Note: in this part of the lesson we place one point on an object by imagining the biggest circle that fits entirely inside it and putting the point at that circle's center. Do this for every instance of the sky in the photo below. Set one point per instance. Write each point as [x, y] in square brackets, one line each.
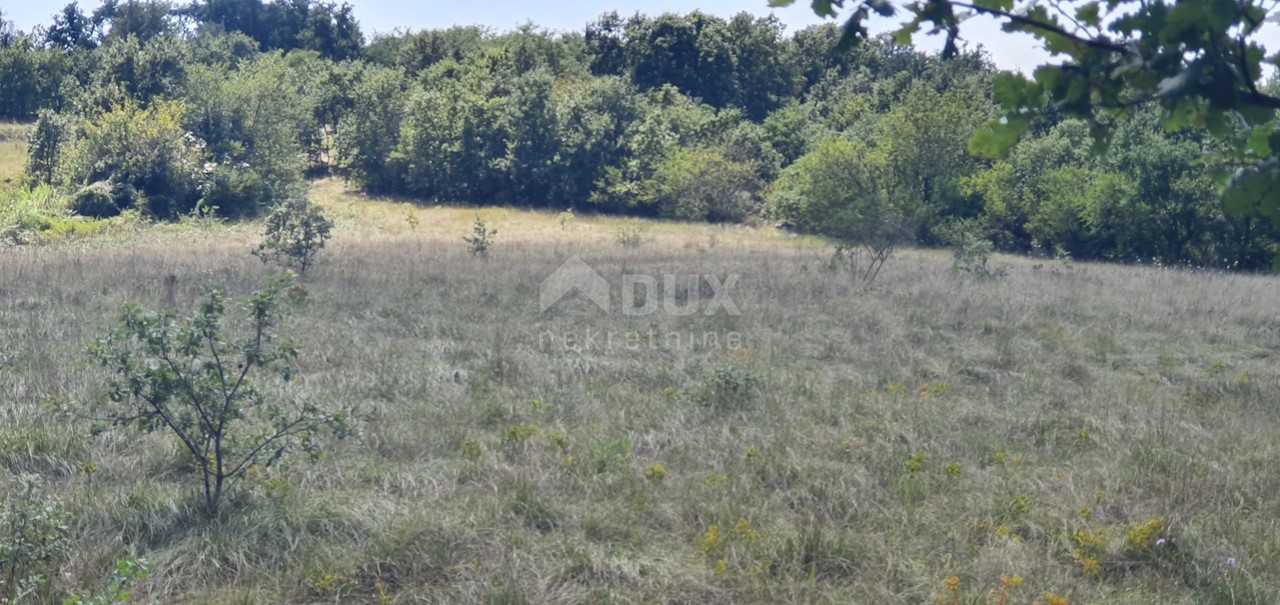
[1009, 51]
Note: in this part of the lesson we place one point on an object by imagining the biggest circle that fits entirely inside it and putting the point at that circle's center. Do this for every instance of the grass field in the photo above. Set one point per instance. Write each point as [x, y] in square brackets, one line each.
[13, 150]
[1075, 433]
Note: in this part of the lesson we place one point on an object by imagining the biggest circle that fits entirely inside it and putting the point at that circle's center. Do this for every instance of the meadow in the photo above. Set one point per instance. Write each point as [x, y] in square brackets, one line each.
[1067, 433]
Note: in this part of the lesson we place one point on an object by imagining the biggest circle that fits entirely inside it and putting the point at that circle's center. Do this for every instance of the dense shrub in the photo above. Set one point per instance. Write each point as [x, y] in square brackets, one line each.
[703, 184]
[95, 200]
[296, 232]
[146, 155]
[847, 192]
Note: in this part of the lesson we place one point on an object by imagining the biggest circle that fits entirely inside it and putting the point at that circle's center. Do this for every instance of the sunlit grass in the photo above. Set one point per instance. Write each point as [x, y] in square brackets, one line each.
[1048, 435]
[13, 150]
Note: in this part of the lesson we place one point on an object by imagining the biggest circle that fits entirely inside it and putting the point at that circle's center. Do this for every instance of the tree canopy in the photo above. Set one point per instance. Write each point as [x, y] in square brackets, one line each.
[1199, 63]
[228, 106]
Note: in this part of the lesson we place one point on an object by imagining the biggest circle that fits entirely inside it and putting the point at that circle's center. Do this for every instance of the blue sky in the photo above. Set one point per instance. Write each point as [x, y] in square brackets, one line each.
[384, 15]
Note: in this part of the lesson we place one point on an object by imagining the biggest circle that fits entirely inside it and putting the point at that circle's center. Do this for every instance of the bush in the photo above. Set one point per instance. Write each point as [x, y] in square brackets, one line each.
[630, 236]
[253, 119]
[45, 144]
[481, 238]
[703, 184]
[95, 200]
[726, 387]
[296, 232]
[33, 542]
[232, 190]
[970, 250]
[126, 573]
[196, 380]
[848, 193]
[146, 155]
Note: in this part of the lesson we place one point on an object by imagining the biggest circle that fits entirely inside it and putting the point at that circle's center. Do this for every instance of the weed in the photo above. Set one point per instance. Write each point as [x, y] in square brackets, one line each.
[630, 236]
[726, 387]
[126, 573]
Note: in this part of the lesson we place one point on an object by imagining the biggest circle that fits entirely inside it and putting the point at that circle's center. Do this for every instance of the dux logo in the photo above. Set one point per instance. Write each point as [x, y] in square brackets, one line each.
[574, 275]
[640, 292]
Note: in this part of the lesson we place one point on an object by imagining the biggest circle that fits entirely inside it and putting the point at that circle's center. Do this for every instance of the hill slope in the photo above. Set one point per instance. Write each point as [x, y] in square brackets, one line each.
[828, 444]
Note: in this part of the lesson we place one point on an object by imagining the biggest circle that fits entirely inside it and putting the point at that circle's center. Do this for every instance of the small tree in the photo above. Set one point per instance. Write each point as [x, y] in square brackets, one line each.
[194, 379]
[848, 193]
[704, 184]
[45, 145]
[296, 232]
[33, 539]
[481, 238]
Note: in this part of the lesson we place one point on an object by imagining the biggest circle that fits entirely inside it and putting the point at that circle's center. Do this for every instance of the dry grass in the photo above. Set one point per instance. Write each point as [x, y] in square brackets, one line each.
[13, 150]
[927, 428]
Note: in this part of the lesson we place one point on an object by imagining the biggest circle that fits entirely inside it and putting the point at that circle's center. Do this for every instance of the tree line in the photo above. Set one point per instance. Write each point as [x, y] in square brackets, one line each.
[224, 106]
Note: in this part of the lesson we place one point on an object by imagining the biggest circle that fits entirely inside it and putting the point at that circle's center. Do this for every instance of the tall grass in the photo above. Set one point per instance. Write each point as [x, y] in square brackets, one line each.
[13, 150]
[861, 445]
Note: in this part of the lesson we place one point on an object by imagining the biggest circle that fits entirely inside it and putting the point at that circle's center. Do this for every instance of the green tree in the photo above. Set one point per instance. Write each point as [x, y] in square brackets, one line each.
[197, 380]
[30, 78]
[451, 139]
[130, 68]
[592, 116]
[296, 231]
[1199, 62]
[665, 121]
[254, 121]
[45, 145]
[703, 184]
[848, 193]
[71, 30]
[368, 134]
[145, 155]
[141, 19]
[923, 136]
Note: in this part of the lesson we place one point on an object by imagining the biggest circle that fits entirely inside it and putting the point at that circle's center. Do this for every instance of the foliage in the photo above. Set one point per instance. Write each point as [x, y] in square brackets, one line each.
[295, 233]
[34, 539]
[43, 148]
[145, 154]
[726, 387]
[30, 78]
[1146, 201]
[704, 184]
[970, 250]
[131, 69]
[126, 573]
[368, 134]
[253, 122]
[95, 200]
[327, 28]
[196, 379]
[480, 241]
[25, 213]
[1200, 62]
[846, 192]
[690, 116]
[630, 236]
[736, 63]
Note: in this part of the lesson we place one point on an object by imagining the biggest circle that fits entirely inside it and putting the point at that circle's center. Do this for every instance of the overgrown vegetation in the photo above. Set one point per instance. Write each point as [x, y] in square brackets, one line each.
[197, 381]
[684, 116]
[970, 414]
[1072, 432]
[296, 232]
